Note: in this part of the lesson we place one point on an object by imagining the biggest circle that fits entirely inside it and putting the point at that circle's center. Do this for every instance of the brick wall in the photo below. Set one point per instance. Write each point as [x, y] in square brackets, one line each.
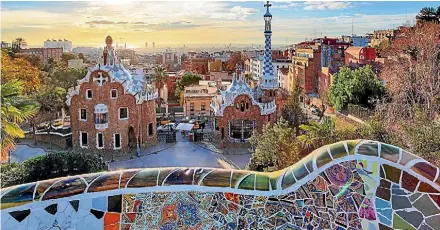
[252, 113]
[138, 119]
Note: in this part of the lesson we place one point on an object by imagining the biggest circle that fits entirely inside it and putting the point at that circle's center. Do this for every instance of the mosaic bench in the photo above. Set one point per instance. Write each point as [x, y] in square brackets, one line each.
[357, 184]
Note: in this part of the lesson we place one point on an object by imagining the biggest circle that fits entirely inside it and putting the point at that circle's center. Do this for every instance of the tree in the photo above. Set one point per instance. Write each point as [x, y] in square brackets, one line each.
[64, 77]
[17, 44]
[318, 134]
[429, 14]
[51, 101]
[325, 101]
[292, 111]
[160, 78]
[383, 45]
[15, 109]
[34, 60]
[275, 148]
[413, 74]
[20, 69]
[360, 87]
[234, 59]
[65, 57]
[187, 80]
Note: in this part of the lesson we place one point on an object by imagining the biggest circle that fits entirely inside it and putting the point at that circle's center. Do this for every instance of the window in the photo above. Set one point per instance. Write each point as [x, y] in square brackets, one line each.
[268, 117]
[203, 106]
[150, 129]
[191, 106]
[241, 129]
[83, 140]
[123, 113]
[89, 94]
[242, 106]
[99, 140]
[113, 93]
[117, 141]
[82, 114]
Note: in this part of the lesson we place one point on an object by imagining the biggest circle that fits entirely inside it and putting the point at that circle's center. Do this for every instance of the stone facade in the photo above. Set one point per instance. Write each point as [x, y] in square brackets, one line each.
[139, 115]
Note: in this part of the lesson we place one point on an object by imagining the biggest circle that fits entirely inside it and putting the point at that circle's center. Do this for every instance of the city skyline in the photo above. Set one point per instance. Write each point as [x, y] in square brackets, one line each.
[196, 23]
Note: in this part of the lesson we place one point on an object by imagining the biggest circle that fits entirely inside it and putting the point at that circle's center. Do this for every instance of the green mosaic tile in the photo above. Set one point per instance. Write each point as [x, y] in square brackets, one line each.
[237, 175]
[145, 178]
[392, 174]
[368, 148]
[323, 157]
[248, 183]
[389, 152]
[338, 150]
[262, 182]
[399, 223]
[351, 146]
[218, 178]
[288, 180]
[300, 171]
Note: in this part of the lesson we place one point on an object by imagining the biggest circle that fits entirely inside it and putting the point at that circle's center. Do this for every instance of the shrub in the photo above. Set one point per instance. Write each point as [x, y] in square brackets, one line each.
[49, 166]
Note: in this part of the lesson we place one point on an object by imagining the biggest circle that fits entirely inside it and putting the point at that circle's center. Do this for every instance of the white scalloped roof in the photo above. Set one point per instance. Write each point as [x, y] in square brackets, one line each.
[132, 85]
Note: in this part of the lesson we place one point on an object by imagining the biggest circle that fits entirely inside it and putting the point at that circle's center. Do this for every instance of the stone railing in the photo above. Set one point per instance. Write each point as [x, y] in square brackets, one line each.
[347, 185]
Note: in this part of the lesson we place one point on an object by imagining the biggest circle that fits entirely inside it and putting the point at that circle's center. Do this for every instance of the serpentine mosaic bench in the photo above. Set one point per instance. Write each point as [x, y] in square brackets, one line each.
[356, 184]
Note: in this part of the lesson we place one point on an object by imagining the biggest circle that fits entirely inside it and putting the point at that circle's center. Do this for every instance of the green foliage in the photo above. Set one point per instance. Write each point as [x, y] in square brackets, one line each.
[61, 76]
[318, 134]
[292, 111]
[187, 80]
[360, 87]
[65, 57]
[423, 133]
[49, 166]
[15, 109]
[429, 14]
[275, 148]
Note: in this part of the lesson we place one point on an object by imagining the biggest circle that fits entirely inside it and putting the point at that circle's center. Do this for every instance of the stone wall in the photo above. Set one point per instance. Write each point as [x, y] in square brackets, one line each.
[57, 140]
[347, 185]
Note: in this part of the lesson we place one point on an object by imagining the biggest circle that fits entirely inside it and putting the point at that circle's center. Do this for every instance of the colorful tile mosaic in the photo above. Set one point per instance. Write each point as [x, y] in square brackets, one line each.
[346, 185]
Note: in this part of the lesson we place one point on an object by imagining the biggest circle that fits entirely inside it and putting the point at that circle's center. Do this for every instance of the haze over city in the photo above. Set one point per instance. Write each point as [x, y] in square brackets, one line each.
[174, 24]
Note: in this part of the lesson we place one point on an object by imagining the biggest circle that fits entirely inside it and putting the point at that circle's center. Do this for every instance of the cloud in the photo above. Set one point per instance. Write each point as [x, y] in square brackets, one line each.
[326, 5]
[285, 6]
[236, 12]
[100, 22]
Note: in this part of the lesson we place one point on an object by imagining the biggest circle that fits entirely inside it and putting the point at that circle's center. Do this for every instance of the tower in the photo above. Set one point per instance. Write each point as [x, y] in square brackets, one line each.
[268, 79]
[146, 45]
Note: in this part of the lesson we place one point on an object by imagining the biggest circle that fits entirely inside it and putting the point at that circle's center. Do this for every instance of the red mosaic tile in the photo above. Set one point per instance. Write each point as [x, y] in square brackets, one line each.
[425, 170]
[409, 182]
[424, 187]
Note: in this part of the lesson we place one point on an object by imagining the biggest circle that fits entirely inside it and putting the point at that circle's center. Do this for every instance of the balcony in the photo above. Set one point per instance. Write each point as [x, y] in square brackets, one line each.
[101, 126]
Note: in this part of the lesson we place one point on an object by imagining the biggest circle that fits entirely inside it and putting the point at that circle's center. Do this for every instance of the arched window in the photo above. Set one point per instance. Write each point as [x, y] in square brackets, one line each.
[247, 105]
[242, 106]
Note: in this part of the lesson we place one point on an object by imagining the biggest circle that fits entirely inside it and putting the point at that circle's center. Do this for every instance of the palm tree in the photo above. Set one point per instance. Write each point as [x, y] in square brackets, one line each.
[318, 134]
[160, 78]
[15, 109]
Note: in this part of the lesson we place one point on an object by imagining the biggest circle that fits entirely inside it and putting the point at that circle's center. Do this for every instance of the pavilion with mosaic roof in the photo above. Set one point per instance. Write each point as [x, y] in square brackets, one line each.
[240, 109]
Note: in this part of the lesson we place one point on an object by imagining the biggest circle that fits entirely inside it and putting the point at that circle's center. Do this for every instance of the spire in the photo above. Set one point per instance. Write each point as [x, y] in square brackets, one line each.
[268, 80]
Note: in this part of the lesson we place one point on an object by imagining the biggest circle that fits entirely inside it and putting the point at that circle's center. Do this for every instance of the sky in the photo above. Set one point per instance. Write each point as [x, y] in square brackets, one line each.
[195, 22]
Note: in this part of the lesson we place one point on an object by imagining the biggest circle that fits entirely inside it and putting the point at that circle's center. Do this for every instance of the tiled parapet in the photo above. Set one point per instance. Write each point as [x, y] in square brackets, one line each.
[356, 184]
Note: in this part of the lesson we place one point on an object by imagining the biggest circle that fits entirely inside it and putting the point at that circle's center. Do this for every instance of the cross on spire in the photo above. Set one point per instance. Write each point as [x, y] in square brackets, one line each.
[267, 5]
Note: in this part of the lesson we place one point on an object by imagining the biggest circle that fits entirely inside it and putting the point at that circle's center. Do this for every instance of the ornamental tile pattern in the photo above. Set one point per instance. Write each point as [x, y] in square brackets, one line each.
[347, 185]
